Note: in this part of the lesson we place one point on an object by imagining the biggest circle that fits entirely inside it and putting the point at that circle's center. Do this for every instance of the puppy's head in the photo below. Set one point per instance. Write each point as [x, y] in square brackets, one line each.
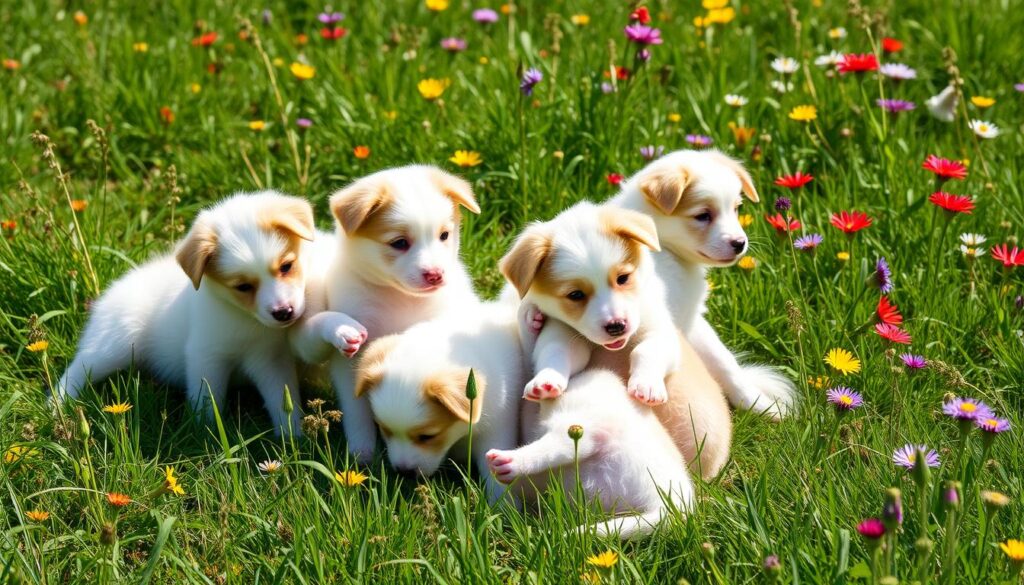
[696, 197]
[419, 405]
[248, 250]
[401, 226]
[585, 268]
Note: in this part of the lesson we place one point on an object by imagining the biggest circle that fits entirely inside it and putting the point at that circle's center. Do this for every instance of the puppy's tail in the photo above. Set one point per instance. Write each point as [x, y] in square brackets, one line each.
[776, 394]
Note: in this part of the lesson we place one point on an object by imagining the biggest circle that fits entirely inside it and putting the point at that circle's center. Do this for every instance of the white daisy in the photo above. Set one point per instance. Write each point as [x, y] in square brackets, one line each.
[785, 65]
[897, 71]
[736, 101]
[984, 129]
[972, 240]
[782, 86]
[837, 34]
[270, 466]
[943, 105]
[829, 59]
[971, 252]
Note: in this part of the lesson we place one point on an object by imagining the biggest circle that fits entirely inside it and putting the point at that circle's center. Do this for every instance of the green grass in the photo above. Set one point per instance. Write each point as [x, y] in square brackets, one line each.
[795, 489]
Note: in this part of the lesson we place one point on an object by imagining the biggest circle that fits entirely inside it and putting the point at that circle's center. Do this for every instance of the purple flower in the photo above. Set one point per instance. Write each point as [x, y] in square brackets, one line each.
[303, 123]
[883, 276]
[651, 152]
[607, 87]
[643, 55]
[485, 16]
[268, 16]
[892, 509]
[328, 17]
[699, 140]
[532, 77]
[642, 34]
[871, 529]
[906, 456]
[1019, 86]
[783, 204]
[895, 106]
[913, 362]
[453, 44]
[808, 242]
[897, 71]
[966, 409]
[992, 424]
[844, 398]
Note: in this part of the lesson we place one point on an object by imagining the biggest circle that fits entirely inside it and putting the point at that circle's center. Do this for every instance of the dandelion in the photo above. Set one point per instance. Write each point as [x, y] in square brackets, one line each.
[943, 105]
[485, 16]
[844, 398]
[785, 65]
[171, 482]
[530, 79]
[118, 500]
[794, 181]
[361, 152]
[1008, 257]
[605, 560]
[643, 35]
[302, 71]
[872, 529]
[580, 19]
[782, 224]
[892, 333]
[350, 478]
[804, 113]
[674, 117]
[735, 101]
[944, 169]
[891, 45]
[79, 204]
[808, 243]
[195, 88]
[651, 152]
[257, 125]
[38, 346]
[699, 140]
[830, 59]
[117, 408]
[16, 453]
[994, 499]
[466, 158]
[952, 204]
[913, 362]
[888, 312]
[850, 222]
[981, 102]
[906, 456]
[843, 361]
[37, 515]
[983, 129]
[140, 47]
[453, 44]
[437, 5]
[431, 89]
[843, 256]
[747, 263]
[1014, 550]
[858, 63]
[269, 467]
[882, 277]
[895, 106]
[897, 71]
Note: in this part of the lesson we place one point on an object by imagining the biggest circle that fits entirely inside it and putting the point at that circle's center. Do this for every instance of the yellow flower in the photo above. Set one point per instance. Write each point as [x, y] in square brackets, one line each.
[580, 19]
[674, 118]
[466, 158]
[700, 22]
[605, 560]
[747, 263]
[171, 482]
[819, 382]
[484, 60]
[117, 408]
[140, 47]
[16, 453]
[257, 125]
[804, 113]
[303, 71]
[38, 346]
[37, 515]
[80, 18]
[350, 478]
[843, 256]
[507, 9]
[1013, 549]
[722, 16]
[714, 4]
[746, 220]
[196, 88]
[837, 33]
[994, 499]
[741, 134]
[842, 360]
[437, 5]
[278, 62]
[431, 89]
[390, 115]
[982, 101]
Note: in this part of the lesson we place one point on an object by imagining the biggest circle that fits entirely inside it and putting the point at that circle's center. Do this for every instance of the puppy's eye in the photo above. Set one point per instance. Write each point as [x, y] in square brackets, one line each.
[622, 279]
[286, 268]
[400, 244]
[704, 217]
[244, 287]
[425, 437]
[576, 295]
[444, 236]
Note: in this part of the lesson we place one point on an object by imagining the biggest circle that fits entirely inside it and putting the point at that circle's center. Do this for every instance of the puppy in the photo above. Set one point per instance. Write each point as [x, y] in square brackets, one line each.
[627, 461]
[693, 198]
[590, 269]
[220, 304]
[396, 264]
[415, 386]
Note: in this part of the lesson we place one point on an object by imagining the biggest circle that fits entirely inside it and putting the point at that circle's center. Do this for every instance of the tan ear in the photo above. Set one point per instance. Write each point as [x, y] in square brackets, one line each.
[522, 263]
[290, 215]
[746, 182]
[664, 187]
[370, 370]
[631, 225]
[448, 388]
[354, 204]
[456, 189]
[196, 250]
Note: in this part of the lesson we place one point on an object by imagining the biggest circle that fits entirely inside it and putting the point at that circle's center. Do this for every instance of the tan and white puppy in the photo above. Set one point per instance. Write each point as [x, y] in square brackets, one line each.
[693, 198]
[589, 270]
[415, 385]
[220, 304]
[396, 264]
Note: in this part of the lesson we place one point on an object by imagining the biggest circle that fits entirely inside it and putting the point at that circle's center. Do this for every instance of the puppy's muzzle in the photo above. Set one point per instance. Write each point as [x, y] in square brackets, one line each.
[738, 245]
[616, 328]
[283, 314]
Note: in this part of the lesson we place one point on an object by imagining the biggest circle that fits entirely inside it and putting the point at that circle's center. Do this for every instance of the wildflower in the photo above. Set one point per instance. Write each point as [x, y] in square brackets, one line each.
[171, 482]
[580, 19]
[37, 515]
[674, 117]
[913, 362]
[943, 106]
[80, 18]
[38, 346]
[906, 456]
[887, 312]
[858, 63]
[982, 102]
[747, 263]
[605, 560]
[466, 158]
[641, 15]
[1008, 257]
[304, 123]
[333, 33]
[897, 71]
[850, 222]
[882, 278]
[944, 169]
[301, 39]
[736, 101]
[803, 113]
[1014, 550]
[741, 134]
[782, 224]
[530, 79]
[969, 239]
[270, 466]
[118, 500]
[830, 59]
[453, 44]
[330, 17]
[485, 16]
[205, 40]
[642, 34]
[992, 424]
[745, 220]
[431, 89]
[771, 565]
[994, 499]
[350, 478]
[891, 45]
[895, 106]
[117, 408]
[781, 86]
[651, 152]
[140, 47]
[983, 129]
[844, 398]
[257, 125]
[699, 140]
[952, 203]
[166, 115]
[837, 34]
[79, 205]
[843, 256]
[808, 242]
[195, 88]
[892, 333]
[794, 181]
[361, 151]
[302, 71]
[437, 5]
[607, 87]
[783, 204]
[785, 65]
[842, 361]
[16, 453]
[575, 432]
[892, 509]
[614, 179]
[871, 529]
[12, 64]
[9, 225]
[1019, 87]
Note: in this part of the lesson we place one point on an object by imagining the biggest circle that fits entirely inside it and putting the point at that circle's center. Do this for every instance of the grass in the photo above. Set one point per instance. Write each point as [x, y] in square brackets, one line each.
[795, 489]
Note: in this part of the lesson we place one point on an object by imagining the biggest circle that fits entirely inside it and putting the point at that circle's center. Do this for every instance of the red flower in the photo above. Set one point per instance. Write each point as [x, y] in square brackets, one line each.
[892, 333]
[888, 313]
[851, 222]
[205, 40]
[1008, 257]
[641, 14]
[118, 500]
[952, 203]
[891, 45]
[854, 63]
[794, 181]
[614, 179]
[782, 224]
[333, 34]
[621, 73]
[945, 169]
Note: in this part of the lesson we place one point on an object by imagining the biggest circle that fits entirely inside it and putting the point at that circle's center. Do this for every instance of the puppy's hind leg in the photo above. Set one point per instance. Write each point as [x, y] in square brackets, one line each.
[627, 527]
[94, 361]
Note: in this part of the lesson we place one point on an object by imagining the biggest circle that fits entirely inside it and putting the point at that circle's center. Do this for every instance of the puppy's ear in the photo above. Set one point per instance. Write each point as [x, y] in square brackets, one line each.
[456, 189]
[370, 370]
[354, 204]
[196, 250]
[522, 263]
[664, 187]
[290, 215]
[448, 388]
[631, 225]
[746, 183]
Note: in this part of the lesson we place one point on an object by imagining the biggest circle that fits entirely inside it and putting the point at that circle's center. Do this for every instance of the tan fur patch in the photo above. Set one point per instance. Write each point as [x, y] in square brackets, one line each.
[289, 215]
[196, 250]
[456, 189]
[448, 388]
[745, 180]
[664, 188]
[631, 226]
[522, 263]
[549, 284]
[370, 369]
[355, 204]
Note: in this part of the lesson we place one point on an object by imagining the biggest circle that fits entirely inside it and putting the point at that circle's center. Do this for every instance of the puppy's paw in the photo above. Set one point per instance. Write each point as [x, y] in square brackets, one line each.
[346, 335]
[534, 319]
[649, 390]
[504, 465]
[545, 385]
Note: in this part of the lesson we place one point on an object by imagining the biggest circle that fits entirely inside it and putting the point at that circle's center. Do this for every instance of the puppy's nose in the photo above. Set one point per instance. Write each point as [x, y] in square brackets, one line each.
[615, 328]
[283, 313]
[738, 245]
[434, 276]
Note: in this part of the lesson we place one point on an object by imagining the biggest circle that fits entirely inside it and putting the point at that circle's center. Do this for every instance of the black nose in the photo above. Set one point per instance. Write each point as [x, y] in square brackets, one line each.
[283, 314]
[615, 328]
[738, 245]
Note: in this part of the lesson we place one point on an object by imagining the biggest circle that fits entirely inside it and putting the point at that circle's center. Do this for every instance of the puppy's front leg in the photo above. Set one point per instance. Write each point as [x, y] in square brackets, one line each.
[313, 339]
[357, 418]
[650, 362]
[503, 436]
[206, 374]
[553, 450]
[271, 375]
[559, 354]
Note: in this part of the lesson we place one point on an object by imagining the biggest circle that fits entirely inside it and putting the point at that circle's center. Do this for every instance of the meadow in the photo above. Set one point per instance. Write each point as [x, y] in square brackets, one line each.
[120, 120]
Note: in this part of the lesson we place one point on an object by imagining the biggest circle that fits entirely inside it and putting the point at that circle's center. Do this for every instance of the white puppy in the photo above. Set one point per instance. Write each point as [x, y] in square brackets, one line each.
[222, 303]
[693, 198]
[627, 460]
[396, 264]
[590, 269]
[415, 385]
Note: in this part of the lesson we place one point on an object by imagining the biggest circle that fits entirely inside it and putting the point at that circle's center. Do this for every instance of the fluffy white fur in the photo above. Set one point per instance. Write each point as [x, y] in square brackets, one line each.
[627, 461]
[676, 191]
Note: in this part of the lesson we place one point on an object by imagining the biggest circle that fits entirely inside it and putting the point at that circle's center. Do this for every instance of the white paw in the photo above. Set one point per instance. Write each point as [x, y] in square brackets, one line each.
[503, 465]
[534, 319]
[649, 390]
[346, 335]
[547, 384]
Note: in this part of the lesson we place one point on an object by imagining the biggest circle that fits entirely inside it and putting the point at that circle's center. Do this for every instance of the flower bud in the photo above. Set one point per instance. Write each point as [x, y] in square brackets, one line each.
[951, 495]
[892, 509]
[287, 405]
[471, 392]
[108, 534]
[708, 550]
[575, 432]
[923, 546]
[772, 567]
[921, 472]
[83, 425]
[783, 204]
